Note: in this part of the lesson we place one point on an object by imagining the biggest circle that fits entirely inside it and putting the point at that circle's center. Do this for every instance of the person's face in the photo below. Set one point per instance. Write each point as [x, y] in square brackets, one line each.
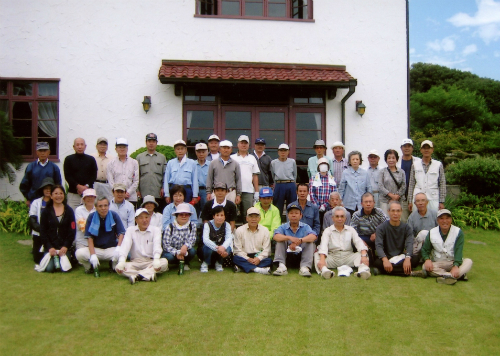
[320, 150]
[102, 208]
[373, 159]
[220, 193]
[150, 207]
[421, 202]
[368, 204]
[43, 155]
[302, 192]
[89, 200]
[355, 160]
[339, 218]
[102, 147]
[180, 151]
[182, 218]
[219, 218]
[444, 222]
[121, 150]
[427, 151]
[283, 154]
[338, 151]
[394, 212]
[294, 216]
[391, 160]
[119, 195]
[143, 221]
[57, 196]
[178, 198]
[265, 202]
[79, 146]
[46, 191]
[260, 147]
[151, 145]
[213, 145]
[201, 154]
[225, 151]
[253, 220]
[407, 149]
[243, 146]
[335, 201]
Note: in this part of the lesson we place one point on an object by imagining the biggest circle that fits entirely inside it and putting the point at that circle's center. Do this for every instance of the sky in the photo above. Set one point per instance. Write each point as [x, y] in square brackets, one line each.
[460, 34]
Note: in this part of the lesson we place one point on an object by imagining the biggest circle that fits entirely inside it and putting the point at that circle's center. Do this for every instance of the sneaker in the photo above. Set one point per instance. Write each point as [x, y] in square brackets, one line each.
[364, 275]
[140, 277]
[304, 272]
[187, 268]
[236, 269]
[375, 271]
[280, 271]
[446, 280]
[464, 278]
[327, 274]
[263, 270]
[132, 279]
[204, 268]
[218, 267]
[422, 273]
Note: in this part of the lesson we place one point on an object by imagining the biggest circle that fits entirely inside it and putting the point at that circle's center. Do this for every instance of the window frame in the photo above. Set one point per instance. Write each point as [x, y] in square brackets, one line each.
[35, 99]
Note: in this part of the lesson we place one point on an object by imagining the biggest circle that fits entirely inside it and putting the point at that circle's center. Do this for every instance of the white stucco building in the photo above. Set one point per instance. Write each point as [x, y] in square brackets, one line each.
[277, 69]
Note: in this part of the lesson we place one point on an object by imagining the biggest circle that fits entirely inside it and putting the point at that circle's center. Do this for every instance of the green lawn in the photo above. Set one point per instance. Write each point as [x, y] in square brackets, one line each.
[238, 314]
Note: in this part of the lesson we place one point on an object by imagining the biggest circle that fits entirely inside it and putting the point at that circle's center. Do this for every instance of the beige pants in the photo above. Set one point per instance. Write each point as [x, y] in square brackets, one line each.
[144, 267]
[83, 256]
[443, 268]
[419, 240]
[405, 214]
[339, 258]
[74, 200]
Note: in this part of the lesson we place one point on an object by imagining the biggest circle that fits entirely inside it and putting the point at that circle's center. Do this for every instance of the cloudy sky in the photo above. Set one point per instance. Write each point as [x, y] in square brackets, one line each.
[461, 34]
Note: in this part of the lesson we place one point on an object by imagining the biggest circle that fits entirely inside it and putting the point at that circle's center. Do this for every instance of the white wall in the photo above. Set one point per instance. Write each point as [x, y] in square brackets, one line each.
[108, 53]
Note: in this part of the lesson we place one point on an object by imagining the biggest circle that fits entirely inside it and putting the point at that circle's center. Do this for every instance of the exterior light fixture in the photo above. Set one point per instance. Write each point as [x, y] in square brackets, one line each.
[360, 107]
[146, 104]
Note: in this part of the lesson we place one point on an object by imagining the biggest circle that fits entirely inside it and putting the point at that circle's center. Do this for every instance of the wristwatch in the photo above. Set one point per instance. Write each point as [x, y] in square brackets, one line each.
[364, 255]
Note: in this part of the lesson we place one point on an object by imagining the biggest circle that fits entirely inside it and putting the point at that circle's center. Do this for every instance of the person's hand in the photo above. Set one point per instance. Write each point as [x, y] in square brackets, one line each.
[256, 196]
[139, 196]
[295, 240]
[62, 251]
[167, 199]
[184, 250]
[292, 246]
[28, 203]
[409, 207]
[407, 265]
[254, 261]
[455, 273]
[321, 264]
[52, 252]
[120, 267]
[397, 197]
[162, 193]
[180, 257]
[221, 249]
[209, 196]
[365, 261]
[156, 264]
[428, 265]
[94, 261]
[81, 188]
[373, 237]
[193, 201]
[127, 195]
[441, 206]
[237, 200]
[387, 265]
[224, 254]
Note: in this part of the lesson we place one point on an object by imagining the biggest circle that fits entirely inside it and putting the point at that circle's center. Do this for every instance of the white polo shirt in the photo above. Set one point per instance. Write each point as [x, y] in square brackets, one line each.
[248, 167]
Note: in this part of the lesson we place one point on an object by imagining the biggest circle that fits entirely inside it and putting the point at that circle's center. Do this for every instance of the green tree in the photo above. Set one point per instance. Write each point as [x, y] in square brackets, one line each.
[10, 159]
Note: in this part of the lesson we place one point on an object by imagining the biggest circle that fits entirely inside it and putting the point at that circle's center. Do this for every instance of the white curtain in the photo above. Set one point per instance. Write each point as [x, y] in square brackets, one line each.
[48, 111]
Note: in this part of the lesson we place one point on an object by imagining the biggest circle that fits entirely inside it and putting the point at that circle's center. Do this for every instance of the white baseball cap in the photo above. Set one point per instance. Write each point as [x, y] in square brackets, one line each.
[140, 211]
[374, 152]
[407, 141]
[337, 144]
[121, 141]
[344, 271]
[200, 146]
[225, 143]
[214, 137]
[426, 142]
[180, 142]
[243, 138]
[283, 146]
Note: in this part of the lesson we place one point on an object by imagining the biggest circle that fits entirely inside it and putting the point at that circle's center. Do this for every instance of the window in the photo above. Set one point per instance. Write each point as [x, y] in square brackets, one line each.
[33, 109]
[259, 9]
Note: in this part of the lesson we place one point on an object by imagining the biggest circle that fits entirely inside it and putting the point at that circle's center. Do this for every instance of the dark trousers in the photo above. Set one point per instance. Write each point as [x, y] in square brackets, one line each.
[37, 244]
[397, 270]
[249, 267]
[172, 260]
[284, 192]
[208, 254]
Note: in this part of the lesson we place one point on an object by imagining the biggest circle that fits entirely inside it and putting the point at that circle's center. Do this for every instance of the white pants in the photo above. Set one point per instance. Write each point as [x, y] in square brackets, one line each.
[339, 258]
[144, 267]
[83, 255]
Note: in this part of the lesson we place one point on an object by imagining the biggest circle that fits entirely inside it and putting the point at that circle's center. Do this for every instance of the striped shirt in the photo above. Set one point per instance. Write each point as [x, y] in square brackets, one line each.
[176, 236]
[366, 224]
[320, 195]
[338, 167]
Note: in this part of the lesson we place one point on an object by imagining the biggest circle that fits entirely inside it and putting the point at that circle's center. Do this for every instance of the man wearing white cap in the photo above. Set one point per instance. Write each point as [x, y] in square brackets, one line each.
[284, 173]
[124, 170]
[225, 170]
[249, 169]
[312, 162]
[443, 252]
[213, 147]
[181, 171]
[374, 172]
[427, 176]
[202, 165]
[81, 214]
[102, 158]
[143, 243]
[405, 164]
[339, 163]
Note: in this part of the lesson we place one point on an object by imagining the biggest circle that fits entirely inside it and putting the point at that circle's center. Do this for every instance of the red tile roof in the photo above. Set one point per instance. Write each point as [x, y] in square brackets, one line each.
[202, 71]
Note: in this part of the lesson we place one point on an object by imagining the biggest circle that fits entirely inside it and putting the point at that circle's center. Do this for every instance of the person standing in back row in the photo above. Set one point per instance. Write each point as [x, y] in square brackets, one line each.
[284, 173]
[405, 164]
[264, 162]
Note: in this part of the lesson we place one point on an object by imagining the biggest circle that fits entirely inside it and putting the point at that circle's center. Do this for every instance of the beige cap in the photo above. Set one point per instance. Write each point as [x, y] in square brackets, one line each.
[180, 142]
[283, 146]
[119, 186]
[426, 142]
[213, 137]
[200, 146]
[337, 144]
[102, 139]
[253, 210]
[243, 138]
[443, 211]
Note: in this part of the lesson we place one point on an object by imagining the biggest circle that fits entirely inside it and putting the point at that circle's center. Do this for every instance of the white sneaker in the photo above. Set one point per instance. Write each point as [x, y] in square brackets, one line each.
[186, 268]
[218, 267]
[304, 272]
[280, 271]
[263, 270]
[204, 268]
[327, 274]
[364, 274]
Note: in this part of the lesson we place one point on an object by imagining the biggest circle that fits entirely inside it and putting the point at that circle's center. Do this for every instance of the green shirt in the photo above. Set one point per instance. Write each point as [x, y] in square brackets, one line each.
[271, 218]
[458, 248]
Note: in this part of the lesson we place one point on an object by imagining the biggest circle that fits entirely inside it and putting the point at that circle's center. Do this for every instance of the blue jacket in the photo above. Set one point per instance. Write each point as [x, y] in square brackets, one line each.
[34, 175]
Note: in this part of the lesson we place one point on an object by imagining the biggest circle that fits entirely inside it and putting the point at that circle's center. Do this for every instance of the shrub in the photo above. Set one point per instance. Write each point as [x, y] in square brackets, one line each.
[471, 200]
[478, 176]
[168, 151]
[14, 217]
[485, 217]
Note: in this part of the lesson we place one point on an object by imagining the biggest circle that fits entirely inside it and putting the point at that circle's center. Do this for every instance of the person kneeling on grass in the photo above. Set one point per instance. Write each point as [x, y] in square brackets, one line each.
[179, 237]
[336, 248]
[294, 244]
[217, 240]
[143, 241]
[252, 245]
[36, 208]
[442, 252]
[104, 231]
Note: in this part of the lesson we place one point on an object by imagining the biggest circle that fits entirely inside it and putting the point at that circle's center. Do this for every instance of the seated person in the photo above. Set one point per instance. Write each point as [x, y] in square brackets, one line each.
[36, 208]
[334, 201]
[122, 206]
[104, 231]
[321, 185]
[143, 242]
[252, 245]
[57, 227]
[219, 191]
[442, 251]
[394, 245]
[179, 236]
[309, 211]
[336, 249]
[82, 212]
[149, 203]
[178, 194]
[270, 216]
[294, 244]
[217, 240]
[421, 221]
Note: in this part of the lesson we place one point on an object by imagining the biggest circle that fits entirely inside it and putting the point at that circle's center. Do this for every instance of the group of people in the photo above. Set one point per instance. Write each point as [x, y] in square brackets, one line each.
[345, 217]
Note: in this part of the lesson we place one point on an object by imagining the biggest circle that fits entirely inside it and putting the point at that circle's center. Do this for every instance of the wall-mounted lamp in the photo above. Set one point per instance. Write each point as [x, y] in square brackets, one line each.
[146, 104]
[360, 107]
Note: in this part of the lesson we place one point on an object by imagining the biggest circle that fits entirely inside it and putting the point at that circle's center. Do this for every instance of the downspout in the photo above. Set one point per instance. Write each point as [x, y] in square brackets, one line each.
[408, 65]
[352, 89]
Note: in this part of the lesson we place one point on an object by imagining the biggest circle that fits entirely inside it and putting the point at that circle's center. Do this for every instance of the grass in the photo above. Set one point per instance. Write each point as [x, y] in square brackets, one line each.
[238, 314]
